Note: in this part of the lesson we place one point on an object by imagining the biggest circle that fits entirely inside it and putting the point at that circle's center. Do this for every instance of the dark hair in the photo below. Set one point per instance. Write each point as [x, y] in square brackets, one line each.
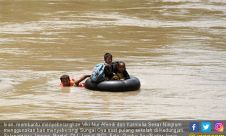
[121, 62]
[106, 55]
[107, 68]
[64, 77]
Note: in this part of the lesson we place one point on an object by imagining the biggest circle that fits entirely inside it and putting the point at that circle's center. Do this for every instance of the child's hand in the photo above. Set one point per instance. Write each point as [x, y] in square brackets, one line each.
[115, 77]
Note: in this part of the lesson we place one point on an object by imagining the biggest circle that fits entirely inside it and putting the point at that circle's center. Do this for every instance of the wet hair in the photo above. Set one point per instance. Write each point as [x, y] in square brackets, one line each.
[106, 55]
[108, 73]
[64, 77]
[121, 62]
[107, 69]
[118, 63]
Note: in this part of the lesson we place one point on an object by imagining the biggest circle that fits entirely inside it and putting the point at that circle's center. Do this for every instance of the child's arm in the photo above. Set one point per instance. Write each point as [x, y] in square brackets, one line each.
[81, 79]
[126, 74]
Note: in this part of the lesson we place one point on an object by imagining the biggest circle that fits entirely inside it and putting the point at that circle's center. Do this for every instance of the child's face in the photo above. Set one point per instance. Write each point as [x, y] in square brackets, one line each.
[108, 60]
[121, 67]
[65, 82]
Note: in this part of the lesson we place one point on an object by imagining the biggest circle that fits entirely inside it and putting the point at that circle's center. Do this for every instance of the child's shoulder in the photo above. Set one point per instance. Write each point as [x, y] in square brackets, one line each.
[72, 82]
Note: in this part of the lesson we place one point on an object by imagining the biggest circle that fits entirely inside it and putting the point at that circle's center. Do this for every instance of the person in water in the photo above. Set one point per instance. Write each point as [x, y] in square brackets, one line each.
[67, 82]
[108, 72]
[108, 58]
[120, 72]
[108, 69]
[114, 70]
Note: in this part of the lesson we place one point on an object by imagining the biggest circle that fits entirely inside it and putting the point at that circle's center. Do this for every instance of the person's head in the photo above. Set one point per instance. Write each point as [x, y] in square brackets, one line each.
[65, 80]
[108, 58]
[107, 69]
[121, 66]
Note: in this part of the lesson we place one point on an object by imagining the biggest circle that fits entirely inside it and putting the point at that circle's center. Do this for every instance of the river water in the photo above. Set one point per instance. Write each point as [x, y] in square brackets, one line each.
[177, 48]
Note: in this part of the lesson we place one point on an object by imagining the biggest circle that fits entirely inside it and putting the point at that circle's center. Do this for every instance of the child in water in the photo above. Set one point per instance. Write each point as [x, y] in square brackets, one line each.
[115, 70]
[108, 70]
[67, 82]
[108, 58]
[120, 72]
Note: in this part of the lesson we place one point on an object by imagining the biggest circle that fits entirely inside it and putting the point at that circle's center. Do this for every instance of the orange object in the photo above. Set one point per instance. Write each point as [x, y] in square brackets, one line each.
[72, 82]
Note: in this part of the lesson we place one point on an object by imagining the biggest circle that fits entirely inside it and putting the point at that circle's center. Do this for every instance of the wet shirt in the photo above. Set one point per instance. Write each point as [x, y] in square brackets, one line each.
[72, 83]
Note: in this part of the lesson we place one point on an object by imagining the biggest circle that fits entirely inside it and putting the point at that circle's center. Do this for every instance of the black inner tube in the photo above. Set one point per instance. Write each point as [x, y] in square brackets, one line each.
[131, 84]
